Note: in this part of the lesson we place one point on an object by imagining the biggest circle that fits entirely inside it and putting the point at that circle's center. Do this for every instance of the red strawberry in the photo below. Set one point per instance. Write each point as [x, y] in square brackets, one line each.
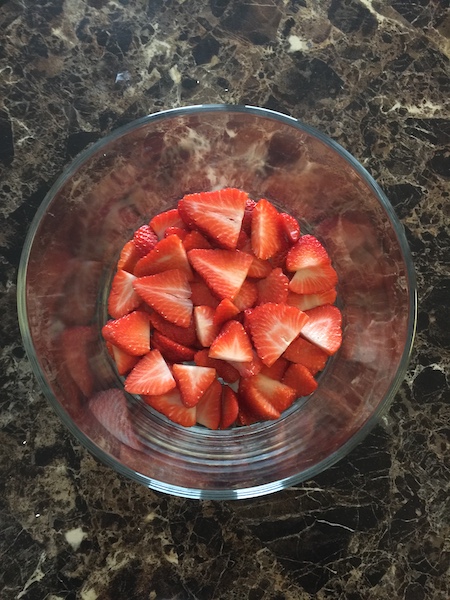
[300, 379]
[267, 237]
[225, 311]
[290, 227]
[224, 271]
[307, 301]
[278, 369]
[194, 239]
[205, 327]
[232, 344]
[124, 361]
[217, 214]
[131, 333]
[151, 376]
[259, 268]
[229, 409]
[307, 354]
[313, 280]
[307, 252]
[209, 407]
[248, 368]
[279, 259]
[247, 220]
[202, 295]
[273, 327]
[171, 405]
[168, 254]
[246, 417]
[324, 328]
[280, 395]
[145, 239]
[168, 218]
[172, 351]
[128, 258]
[169, 294]
[183, 335]
[273, 288]
[193, 381]
[224, 370]
[76, 348]
[122, 298]
[110, 408]
[254, 402]
[246, 296]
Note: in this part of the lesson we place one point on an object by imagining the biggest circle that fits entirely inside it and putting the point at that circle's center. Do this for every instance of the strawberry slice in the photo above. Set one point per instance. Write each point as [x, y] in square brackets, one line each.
[194, 239]
[273, 288]
[278, 369]
[128, 258]
[290, 227]
[232, 344]
[185, 336]
[202, 295]
[229, 409]
[209, 407]
[169, 218]
[307, 252]
[124, 361]
[131, 333]
[193, 381]
[247, 220]
[300, 379]
[169, 253]
[145, 239]
[224, 271]
[122, 298]
[172, 351]
[151, 376]
[254, 402]
[259, 268]
[324, 327]
[225, 311]
[313, 280]
[217, 214]
[280, 395]
[110, 408]
[307, 354]
[266, 234]
[273, 327]
[248, 368]
[307, 301]
[171, 406]
[205, 327]
[181, 233]
[247, 295]
[169, 294]
[224, 370]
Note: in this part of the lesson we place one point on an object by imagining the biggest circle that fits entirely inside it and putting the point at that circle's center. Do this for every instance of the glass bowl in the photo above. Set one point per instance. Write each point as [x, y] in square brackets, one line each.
[118, 184]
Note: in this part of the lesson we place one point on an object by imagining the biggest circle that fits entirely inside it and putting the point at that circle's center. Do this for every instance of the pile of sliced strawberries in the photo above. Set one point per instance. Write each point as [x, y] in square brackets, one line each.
[221, 311]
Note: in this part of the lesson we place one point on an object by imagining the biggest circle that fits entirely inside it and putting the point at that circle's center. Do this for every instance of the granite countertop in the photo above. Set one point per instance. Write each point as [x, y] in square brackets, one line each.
[375, 76]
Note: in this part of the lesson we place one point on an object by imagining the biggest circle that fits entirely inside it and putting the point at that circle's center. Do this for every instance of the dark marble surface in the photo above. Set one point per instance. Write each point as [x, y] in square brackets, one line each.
[375, 76]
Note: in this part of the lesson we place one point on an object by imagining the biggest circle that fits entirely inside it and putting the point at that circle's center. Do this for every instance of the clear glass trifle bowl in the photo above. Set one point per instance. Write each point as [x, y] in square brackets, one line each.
[120, 183]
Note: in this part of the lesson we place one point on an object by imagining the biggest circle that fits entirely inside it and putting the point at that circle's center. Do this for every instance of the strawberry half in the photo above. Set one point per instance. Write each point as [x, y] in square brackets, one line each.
[224, 370]
[207, 330]
[324, 328]
[311, 263]
[280, 395]
[171, 405]
[202, 295]
[307, 354]
[169, 253]
[290, 227]
[169, 218]
[172, 351]
[225, 311]
[169, 294]
[230, 408]
[124, 361]
[278, 369]
[151, 376]
[254, 402]
[273, 288]
[224, 271]
[247, 295]
[267, 237]
[300, 379]
[131, 333]
[144, 239]
[194, 239]
[307, 301]
[248, 368]
[307, 252]
[185, 336]
[209, 407]
[273, 327]
[232, 344]
[217, 214]
[128, 258]
[193, 381]
[122, 298]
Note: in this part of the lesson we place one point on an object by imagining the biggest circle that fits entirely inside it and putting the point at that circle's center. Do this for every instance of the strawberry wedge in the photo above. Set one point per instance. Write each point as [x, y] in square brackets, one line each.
[324, 327]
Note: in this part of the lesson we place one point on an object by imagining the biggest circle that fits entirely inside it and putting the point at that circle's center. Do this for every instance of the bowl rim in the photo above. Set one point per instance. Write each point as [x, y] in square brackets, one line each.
[222, 493]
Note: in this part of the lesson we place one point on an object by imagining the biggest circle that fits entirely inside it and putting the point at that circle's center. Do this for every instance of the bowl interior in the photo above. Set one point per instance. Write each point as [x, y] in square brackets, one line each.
[119, 184]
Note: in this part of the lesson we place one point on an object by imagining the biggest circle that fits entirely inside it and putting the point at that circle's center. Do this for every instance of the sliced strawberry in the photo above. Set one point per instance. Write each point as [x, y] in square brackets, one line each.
[131, 333]
[76, 348]
[217, 214]
[205, 327]
[246, 417]
[280, 395]
[181, 233]
[300, 379]
[279, 259]
[169, 253]
[224, 370]
[248, 368]
[307, 354]
[273, 327]
[307, 252]
[254, 402]
[172, 351]
[151, 376]
[278, 369]
[202, 295]
[110, 408]
[307, 301]
[224, 271]
[290, 227]
[225, 311]
[193, 381]
[145, 239]
[122, 298]
[171, 406]
[267, 237]
[247, 220]
[247, 295]
[194, 239]
[313, 280]
[128, 258]
[259, 268]
[324, 328]
[183, 335]
[209, 407]
[229, 409]
[124, 361]
[168, 218]
[169, 294]
[232, 344]
[273, 288]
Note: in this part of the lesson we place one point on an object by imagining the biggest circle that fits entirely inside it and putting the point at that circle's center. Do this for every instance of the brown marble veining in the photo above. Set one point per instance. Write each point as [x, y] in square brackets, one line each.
[375, 76]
